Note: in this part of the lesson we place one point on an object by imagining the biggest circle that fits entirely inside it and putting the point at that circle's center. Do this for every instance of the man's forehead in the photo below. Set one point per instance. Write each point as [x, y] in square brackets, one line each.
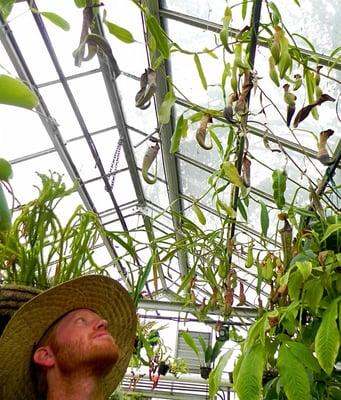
[79, 312]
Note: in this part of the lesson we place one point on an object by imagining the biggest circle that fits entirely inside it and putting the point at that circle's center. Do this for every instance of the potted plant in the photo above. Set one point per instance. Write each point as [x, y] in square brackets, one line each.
[208, 355]
[37, 250]
[178, 366]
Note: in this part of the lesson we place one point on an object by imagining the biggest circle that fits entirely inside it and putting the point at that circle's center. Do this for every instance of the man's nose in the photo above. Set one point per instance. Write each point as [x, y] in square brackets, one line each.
[102, 324]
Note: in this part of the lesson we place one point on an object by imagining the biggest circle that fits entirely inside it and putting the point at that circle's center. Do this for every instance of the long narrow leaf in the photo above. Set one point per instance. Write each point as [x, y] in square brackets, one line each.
[200, 71]
[159, 35]
[142, 279]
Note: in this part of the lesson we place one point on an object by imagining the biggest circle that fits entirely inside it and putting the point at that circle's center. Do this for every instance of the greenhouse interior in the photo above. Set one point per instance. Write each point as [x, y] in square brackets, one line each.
[189, 150]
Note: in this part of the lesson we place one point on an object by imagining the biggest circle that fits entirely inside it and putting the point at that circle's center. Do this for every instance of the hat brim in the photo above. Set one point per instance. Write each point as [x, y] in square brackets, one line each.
[101, 294]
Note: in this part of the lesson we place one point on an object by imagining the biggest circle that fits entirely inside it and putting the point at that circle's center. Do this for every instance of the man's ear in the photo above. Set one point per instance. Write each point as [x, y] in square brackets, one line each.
[44, 357]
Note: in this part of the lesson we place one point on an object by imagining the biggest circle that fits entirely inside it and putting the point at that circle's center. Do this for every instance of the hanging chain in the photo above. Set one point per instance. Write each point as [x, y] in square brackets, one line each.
[114, 164]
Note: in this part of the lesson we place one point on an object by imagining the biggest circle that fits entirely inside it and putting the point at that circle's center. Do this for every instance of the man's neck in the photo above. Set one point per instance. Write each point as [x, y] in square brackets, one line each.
[76, 388]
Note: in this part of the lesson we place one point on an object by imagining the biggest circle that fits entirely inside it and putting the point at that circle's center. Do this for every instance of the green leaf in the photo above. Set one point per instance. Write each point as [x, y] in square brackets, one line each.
[264, 218]
[5, 214]
[190, 342]
[327, 341]
[80, 3]
[214, 379]
[120, 33]
[180, 132]
[6, 7]
[294, 377]
[276, 15]
[200, 215]
[279, 179]
[310, 45]
[249, 380]
[295, 285]
[244, 8]
[56, 19]
[330, 230]
[15, 93]
[200, 71]
[186, 279]
[313, 292]
[241, 209]
[210, 53]
[166, 106]
[231, 173]
[215, 139]
[159, 35]
[304, 355]
[141, 281]
[305, 268]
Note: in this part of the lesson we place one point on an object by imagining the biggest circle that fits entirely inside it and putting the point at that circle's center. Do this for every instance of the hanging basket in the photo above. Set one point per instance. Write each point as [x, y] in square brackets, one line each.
[205, 372]
[163, 368]
[12, 297]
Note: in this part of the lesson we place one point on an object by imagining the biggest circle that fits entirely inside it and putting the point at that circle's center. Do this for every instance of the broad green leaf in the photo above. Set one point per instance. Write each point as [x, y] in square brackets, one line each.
[80, 3]
[295, 285]
[200, 71]
[313, 292]
[249, 380]
[6, 7]
[166, 106]
[330, 230]
[159, 35]
[279, 179]
[294, 376]
[15, 93]
[241, 209]
[56, 19]
[304, 355]
[214, 379]
[264, 218]
[179, 132]
[231, 173]
[120, 33]
[327, 341]
[305, 268]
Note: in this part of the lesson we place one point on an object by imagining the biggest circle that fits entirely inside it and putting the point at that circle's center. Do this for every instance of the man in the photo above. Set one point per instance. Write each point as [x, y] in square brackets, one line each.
[71, 342]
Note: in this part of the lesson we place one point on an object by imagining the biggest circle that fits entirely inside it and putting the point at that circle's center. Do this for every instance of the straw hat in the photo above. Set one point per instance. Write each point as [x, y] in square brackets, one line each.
[99, 293]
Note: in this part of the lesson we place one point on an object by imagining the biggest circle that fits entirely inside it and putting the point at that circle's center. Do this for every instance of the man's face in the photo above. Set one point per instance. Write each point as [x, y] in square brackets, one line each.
[81, 340]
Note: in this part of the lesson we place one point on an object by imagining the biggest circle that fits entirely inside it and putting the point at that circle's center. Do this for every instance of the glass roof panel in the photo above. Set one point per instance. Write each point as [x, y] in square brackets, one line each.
[96, 114]
[32, 46]
[24, 129]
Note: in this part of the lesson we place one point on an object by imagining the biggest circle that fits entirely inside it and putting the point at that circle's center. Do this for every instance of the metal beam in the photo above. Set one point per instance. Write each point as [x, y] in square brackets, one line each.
[166, 132]
[153, 305]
